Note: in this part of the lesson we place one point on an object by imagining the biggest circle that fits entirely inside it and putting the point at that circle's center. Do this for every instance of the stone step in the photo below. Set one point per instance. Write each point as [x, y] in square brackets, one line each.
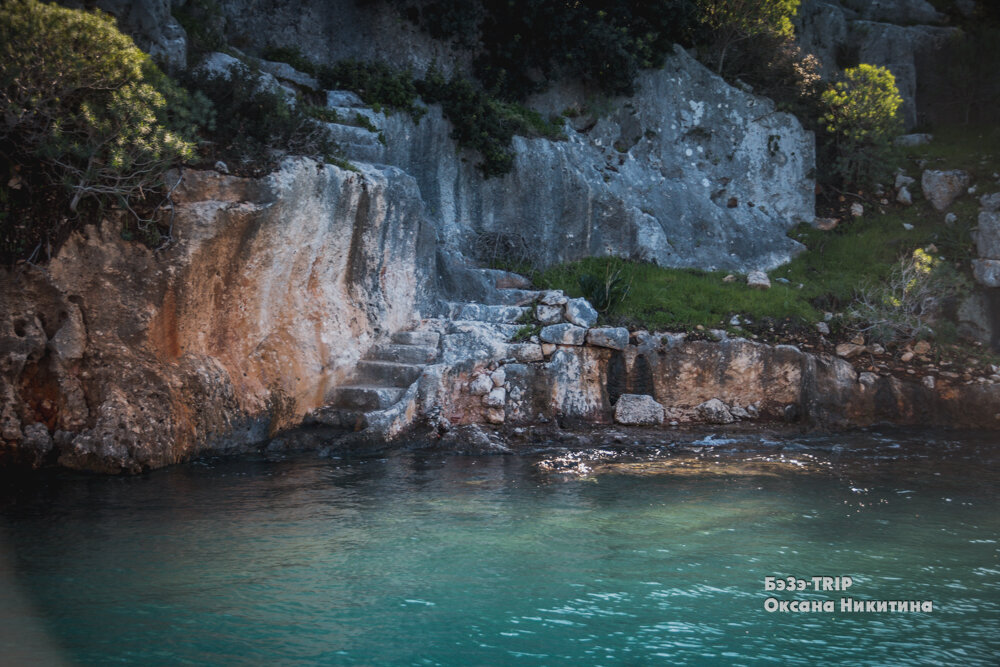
[352, 420]
[365, 397]
[474, 326]
[351, 134]
[388, 373]
[518, 297]
[430, 338]
[484, 313]
[404, 354]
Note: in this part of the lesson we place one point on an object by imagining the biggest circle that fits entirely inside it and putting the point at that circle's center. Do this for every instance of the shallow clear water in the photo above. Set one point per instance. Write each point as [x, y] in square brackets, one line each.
[651, 556]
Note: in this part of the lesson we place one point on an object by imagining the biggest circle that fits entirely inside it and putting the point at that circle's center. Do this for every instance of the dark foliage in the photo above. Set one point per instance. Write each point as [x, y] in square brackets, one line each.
[523, 45]
[252, 122]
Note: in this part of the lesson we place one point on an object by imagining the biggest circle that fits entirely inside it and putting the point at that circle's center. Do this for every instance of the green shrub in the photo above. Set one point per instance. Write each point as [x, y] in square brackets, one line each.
[862, 118]
[734, 22]
[482, 122]
[202, 20]
[376, 83]
[290, 55]
[86, 109]
[256, 125]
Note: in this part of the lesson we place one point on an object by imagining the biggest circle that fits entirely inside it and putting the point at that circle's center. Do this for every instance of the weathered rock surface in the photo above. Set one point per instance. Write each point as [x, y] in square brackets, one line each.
[615, 338]
[715, 411]
[650, 180]
[563, 334]
[636, 410]
[941, 188]
[581, 313]
[272, 292]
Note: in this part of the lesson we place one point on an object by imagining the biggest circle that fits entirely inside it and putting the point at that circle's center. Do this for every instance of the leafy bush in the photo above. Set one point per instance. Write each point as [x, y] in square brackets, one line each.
[907, 305]
[86, 109]
[732, 22]
[523, 45]
[202, 20]
[376, 83]
[482, 122]
[862, 118]
[255, 125]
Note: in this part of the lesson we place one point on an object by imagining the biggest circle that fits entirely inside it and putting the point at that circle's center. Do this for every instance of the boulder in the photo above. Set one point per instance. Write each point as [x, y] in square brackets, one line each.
[941, 188]
[553, 298]
[986, 272]
[907, 140]
[987, 235]
[563, 334]
[849, 350]
[499, 376]
[638, 410]
[480, 385]
[496, 398]
[904, 197]
[581, 313]
[549, 314]
[902, 181]
[857, 210]
[758, 280]
[615, 338]
[714, 411]
[473, 440]
[990, 202]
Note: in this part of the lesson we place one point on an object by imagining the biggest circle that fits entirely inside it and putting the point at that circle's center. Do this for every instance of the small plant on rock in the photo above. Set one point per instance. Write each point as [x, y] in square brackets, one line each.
[906, 306]
[607, 293]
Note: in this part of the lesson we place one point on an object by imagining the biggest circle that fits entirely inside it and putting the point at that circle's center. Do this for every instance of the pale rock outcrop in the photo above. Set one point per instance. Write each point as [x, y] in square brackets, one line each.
[563, 334]
[715, 411]
[636, 410]
[941, 188]
[615, 338]
[580, 313]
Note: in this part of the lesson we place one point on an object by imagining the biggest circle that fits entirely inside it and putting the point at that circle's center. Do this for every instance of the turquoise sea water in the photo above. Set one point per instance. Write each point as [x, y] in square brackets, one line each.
[643, 556]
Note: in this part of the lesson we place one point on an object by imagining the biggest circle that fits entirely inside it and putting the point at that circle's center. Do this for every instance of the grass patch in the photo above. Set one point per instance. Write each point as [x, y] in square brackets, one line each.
[835, 265]
[676, 299]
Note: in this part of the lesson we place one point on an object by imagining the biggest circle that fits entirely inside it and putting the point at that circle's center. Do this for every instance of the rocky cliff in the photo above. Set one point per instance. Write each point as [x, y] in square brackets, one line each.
[116, 357]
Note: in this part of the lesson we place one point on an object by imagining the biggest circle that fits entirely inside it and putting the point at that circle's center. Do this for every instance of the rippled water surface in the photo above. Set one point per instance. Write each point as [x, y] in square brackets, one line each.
[642, 556]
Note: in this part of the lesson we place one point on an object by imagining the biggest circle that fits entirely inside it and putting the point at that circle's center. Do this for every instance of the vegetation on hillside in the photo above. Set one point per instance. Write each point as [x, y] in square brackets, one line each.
[89, 121]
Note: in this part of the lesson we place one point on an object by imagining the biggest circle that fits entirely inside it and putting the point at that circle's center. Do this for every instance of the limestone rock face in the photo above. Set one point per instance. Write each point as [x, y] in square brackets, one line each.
[651, 180]
[636, 410]
[273, 290]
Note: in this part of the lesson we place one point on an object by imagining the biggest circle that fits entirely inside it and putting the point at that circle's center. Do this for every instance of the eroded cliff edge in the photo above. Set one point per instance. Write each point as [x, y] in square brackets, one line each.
[120, 358]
